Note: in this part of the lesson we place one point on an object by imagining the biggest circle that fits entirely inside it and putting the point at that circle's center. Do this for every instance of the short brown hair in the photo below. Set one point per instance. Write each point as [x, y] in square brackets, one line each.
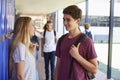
[74, 11]
[86, 26]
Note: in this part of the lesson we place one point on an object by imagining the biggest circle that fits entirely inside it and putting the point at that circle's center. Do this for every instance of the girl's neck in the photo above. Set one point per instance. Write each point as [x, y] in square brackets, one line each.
[49, 30]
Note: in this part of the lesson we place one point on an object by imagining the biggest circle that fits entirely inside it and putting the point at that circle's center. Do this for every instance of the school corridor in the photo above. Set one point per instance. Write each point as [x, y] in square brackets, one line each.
[105, 28]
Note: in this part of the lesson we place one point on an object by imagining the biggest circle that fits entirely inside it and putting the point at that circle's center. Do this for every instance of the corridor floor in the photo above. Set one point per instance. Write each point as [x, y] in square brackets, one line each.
[41, 71]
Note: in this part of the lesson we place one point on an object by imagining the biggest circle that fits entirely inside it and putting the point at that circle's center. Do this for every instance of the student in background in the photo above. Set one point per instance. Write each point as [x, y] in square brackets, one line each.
[87, 31]
[48, 43]
[22, 64]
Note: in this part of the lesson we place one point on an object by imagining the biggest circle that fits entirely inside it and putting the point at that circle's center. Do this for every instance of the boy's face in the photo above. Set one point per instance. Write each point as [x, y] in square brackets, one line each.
[70, 23]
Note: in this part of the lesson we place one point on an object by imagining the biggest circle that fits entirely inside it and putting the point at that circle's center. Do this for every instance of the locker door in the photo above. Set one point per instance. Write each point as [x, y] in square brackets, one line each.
[3, 46]
[7, 16]
[0, 41]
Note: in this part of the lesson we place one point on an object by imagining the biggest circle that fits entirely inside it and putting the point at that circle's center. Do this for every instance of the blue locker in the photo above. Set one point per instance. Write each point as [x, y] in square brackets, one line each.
[3, 42]
[0, 41]
[7, 8]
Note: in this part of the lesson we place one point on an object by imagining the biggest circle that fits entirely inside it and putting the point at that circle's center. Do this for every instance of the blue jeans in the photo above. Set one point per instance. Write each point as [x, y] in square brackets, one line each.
[49, 57]
[37, 77]
[37, 55]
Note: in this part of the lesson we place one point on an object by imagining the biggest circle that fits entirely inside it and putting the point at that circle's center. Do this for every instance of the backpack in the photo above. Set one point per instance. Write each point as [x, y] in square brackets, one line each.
[80, 39]
[76, 42]
[45, 33]
[88, 33]
[44, 36]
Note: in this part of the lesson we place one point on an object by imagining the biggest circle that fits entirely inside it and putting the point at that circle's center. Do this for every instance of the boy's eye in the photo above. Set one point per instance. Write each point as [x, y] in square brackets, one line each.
[67, 19]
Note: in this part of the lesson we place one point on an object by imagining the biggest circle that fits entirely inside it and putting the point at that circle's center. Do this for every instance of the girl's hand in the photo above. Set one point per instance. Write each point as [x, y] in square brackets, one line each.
[42, 54]
[33, 48]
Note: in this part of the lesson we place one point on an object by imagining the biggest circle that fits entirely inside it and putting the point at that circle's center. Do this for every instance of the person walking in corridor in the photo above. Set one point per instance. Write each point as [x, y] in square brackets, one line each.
[48, 43]
[87, 31]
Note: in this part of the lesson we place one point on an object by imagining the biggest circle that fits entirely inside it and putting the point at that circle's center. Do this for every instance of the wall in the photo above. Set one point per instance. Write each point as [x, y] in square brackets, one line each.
[7, 13]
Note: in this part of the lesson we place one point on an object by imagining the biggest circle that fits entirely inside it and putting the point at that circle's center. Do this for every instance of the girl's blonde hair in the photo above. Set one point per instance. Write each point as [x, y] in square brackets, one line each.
[20, 35]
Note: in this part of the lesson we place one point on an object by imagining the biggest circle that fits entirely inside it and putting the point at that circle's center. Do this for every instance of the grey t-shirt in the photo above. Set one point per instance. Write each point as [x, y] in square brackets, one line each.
[19, 54]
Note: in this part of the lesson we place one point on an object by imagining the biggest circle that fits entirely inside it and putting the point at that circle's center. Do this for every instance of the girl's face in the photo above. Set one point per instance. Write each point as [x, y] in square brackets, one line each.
[49, 26]
[31, 29]
[70, 23]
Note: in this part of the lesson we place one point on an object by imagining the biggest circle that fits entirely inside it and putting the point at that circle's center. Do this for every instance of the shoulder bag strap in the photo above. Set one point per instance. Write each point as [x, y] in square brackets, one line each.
[82, 36]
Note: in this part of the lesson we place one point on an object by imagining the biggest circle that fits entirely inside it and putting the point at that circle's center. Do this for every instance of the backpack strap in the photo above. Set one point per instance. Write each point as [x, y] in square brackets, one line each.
[54, 33]
[60, 39]
[45, 33]
[82, 36]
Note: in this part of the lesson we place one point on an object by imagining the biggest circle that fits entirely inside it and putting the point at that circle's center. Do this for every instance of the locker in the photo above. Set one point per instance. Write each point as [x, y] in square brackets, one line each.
[7, 9]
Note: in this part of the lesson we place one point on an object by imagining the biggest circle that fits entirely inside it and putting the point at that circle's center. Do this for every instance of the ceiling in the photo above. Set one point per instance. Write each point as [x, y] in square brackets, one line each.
[42, 6]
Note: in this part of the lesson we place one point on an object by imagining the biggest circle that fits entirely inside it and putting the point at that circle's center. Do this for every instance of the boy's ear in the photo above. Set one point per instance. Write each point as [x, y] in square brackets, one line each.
[78, 20]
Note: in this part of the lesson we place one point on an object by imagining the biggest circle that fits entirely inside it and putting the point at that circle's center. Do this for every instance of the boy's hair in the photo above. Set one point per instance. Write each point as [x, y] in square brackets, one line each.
[74, 11]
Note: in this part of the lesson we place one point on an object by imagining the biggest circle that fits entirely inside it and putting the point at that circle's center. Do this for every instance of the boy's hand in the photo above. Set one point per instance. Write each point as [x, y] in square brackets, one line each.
[74, 51]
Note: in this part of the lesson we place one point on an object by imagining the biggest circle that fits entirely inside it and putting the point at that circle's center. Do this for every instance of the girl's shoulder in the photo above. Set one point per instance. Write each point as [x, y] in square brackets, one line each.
[20, 44]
